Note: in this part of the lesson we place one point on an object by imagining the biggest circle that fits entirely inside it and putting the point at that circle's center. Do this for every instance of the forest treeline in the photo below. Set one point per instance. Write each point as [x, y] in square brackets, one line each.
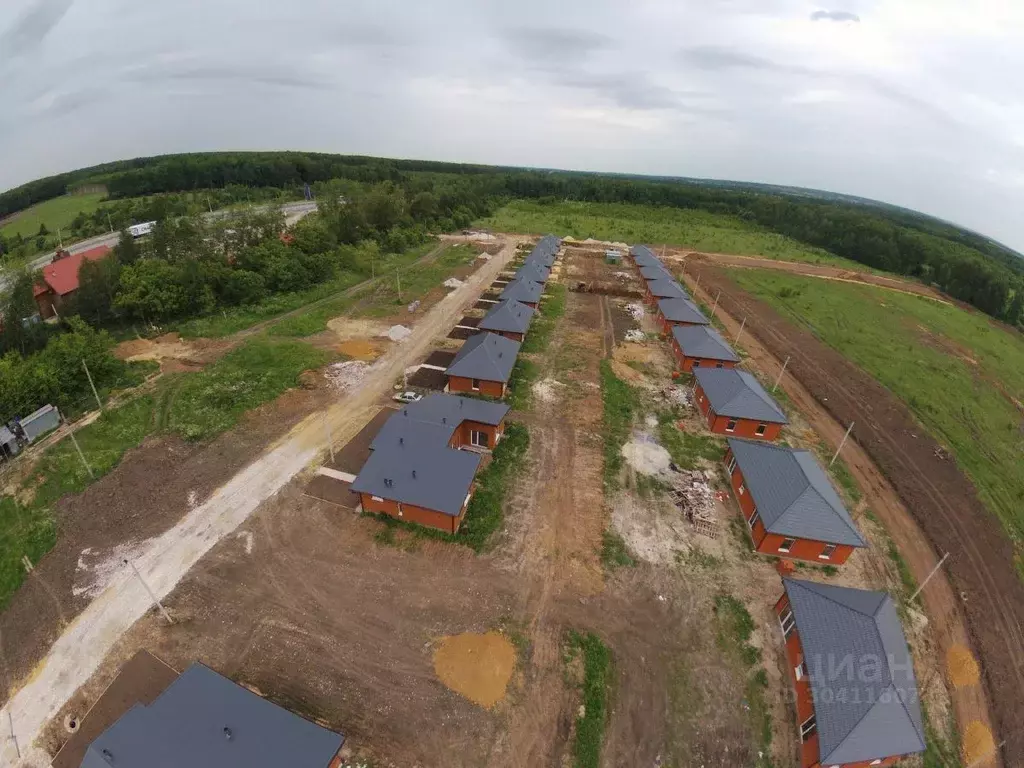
[964, 264]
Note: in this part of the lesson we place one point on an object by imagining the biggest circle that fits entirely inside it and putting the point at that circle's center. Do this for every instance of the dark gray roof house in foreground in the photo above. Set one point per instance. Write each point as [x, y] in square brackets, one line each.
[704, 342]
[666, 288]
[526, 291]
[682, 311]
[485, 356]
[793, 495]
[533, 270]
[655, 272]
[203, 720]
[507, 316]
[739, 395]
[411, 463]
[449, 409]
[868, 709]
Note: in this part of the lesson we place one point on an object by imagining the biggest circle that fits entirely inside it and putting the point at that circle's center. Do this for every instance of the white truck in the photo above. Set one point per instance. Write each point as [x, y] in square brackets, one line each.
[138, 230]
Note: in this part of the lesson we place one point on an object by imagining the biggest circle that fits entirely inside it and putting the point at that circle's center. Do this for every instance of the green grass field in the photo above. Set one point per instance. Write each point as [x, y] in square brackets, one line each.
[955, 370]
[656, 225]
[58, 212]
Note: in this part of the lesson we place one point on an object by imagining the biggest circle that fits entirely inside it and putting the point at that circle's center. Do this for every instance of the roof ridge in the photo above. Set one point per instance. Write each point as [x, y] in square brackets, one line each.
[803, 584]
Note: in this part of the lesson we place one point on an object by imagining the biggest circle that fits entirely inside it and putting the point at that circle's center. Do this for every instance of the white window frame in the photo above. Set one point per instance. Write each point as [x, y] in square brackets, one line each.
[800, 670]
[377, 498]
[808, 728]
[787, 622]
[732, 464]
[719, 365]
[827, 552]
[784, 548]
[761, 429]
[752, 520]
[486, 443]
[876, 762]
[735, 423]
[474, 384]
[742, 489]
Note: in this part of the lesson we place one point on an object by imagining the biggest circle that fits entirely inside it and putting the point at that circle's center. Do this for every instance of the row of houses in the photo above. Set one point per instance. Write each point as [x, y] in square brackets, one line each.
[850, 665]
[424, 460]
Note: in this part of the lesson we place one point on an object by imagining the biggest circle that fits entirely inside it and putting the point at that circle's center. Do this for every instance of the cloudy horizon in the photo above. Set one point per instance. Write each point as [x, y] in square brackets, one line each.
[909, 103]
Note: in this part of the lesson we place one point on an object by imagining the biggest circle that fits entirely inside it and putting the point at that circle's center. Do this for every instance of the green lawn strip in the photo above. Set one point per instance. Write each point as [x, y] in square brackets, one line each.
[686, 448]
[520, 384]
[595, 690]
[544, 321]
[58, 212]
[620, 404]
[700, 230]
[917, 348]
[940, 752]
[734, 626]
[486, 511]
[614, 553]
[416, 281]
[215, 399]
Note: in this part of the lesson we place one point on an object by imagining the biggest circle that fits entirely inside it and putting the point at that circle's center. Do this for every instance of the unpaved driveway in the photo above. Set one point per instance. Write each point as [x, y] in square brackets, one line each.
[84, 644]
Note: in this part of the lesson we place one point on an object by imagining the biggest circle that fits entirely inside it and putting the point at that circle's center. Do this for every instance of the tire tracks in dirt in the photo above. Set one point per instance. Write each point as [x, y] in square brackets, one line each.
[951, 615]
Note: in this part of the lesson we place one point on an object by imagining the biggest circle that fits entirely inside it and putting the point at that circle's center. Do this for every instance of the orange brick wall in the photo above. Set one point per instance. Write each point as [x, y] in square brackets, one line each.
[687, 363]
[506, 334]
[462, 437]
[744, 427]
[769, 543]
[413, 514]
[489, 388]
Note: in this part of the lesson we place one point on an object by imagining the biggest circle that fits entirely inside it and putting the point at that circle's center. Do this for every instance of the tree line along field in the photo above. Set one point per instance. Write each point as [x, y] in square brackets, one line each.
[691, 228]
[961, 375]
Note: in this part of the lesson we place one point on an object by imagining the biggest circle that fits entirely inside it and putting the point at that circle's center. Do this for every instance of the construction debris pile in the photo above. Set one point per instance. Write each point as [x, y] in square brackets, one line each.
[635, 335]
[692, 493]
[636, 309]
[343, 376]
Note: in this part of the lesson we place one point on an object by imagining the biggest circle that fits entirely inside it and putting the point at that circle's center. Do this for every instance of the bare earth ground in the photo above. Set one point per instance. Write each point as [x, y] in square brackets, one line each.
[166, 558]
[978, 588]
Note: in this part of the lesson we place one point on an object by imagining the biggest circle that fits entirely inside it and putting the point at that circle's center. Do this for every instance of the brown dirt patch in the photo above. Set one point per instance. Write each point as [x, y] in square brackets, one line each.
[174, 354]
[977, 742]
[361, 349]
[477, 666]
[934, 498]
[961, 666]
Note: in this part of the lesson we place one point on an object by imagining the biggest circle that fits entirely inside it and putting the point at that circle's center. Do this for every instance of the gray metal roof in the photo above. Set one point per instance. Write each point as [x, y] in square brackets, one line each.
[666, 288]
[655, 272]
[485, 356]
[6, 436]
[793, 495]
[534, 270]
[523, 290]
[452, 409]
[861, 673]
[507, 315]
[412, 463]
[703, 341]
[185, 726]
[540, 256]
[682, 311]
[642, 252]
[738, 394]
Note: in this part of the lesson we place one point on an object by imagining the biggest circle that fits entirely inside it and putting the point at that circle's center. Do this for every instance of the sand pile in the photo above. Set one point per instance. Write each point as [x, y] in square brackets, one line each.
[398, 333]
[646, 456]
[962, 666]
[476, 666]
[360, 349]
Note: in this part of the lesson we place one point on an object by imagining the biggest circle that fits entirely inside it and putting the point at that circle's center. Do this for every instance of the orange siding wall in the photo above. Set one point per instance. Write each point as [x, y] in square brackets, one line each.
[413, 514]
[667, 325]
[769, 543]
[744, 427]
[462, 437]
[489, 388]
[507, 334]
[687, 363]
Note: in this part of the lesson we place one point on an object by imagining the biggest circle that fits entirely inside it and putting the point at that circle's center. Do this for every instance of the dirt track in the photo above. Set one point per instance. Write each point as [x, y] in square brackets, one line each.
[923, 500]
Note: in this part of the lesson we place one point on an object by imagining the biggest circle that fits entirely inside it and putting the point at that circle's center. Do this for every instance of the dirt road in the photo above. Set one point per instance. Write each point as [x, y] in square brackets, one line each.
[86, 642]
[853, 395]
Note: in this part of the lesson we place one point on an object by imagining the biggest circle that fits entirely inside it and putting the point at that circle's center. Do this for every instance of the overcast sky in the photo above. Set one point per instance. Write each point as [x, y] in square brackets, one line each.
[915, 102]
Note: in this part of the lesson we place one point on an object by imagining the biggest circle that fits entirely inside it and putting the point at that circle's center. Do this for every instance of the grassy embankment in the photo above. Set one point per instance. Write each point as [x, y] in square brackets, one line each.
[56, 213]
[595, 690]
[713, 233]
[957, 372]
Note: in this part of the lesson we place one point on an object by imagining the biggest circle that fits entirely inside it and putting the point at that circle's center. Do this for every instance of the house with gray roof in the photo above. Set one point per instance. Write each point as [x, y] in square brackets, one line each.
[680, 312]
[643, 256]
[791, 508]
[542, 257]
[203, 720]
[664, 288]
[524, 291]
[699, 346]
[857, 698]
[655, 272]
[735, 404]
[415, 474]
[9, 447]
[508, 318]
[483, 365]
[533, 270]
[479, 424]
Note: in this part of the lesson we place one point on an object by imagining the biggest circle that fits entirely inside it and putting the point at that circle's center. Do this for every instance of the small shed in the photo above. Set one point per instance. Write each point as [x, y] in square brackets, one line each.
[39, 423]
[9, 447]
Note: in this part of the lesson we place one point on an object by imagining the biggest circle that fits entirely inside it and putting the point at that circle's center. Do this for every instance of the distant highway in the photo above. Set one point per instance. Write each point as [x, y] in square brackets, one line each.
[292, 212]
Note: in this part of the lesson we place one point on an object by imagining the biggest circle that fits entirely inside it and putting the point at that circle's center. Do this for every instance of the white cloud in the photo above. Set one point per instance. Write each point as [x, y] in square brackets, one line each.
[916, 104]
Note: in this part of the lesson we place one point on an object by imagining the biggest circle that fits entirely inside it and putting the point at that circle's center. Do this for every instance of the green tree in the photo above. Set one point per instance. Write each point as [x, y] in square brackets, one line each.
[43, 231]
[21, 330]
[151, 290]
[384, 206]
[98, 283]
[127, 251]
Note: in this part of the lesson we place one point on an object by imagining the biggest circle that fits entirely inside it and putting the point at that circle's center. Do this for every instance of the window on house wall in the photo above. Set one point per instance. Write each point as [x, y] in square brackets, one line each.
[760, 429]
[827, 552]
[476, 384]
[787, 622]
[720, 365]
[786, 545]
[742, 489]
[479, 439]
[801, 670]
[696, 363]
[807, 728]
[730, 426]
[732, 464]
[752, 521]
[377, 498]
[873, 762]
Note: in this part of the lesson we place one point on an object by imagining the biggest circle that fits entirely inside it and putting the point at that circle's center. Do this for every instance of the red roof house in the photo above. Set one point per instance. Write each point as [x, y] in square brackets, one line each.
[60, 278]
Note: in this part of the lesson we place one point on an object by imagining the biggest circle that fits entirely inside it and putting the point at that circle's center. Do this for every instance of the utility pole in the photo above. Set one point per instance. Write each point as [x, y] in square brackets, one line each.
[928, 577]
[96, 394]
[110, 224]
[698, 283]
[841, 444]
[152, 596]
[776, 385]
[14, 738]
[82, 456]
[715, 308]
[60, 240]
[740, 331]
[330, 437]
[208, 206]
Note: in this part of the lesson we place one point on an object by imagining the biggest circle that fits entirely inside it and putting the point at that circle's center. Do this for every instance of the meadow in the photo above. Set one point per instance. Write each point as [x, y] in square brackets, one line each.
[58, 212]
